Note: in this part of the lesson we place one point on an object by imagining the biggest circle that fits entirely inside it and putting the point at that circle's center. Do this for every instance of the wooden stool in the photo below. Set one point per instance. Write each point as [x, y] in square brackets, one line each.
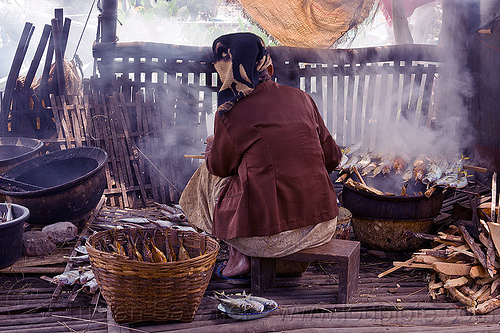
[343, 252]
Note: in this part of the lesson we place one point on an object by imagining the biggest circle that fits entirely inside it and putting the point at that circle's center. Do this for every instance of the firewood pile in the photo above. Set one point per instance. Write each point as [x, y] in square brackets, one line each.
[465, 261]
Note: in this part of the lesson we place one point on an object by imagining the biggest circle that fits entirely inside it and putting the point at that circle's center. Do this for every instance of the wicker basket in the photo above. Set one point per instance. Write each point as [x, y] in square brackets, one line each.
[142, 291]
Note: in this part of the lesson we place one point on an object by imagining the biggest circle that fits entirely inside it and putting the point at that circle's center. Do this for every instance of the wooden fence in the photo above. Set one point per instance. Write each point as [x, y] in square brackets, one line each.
[355, 89]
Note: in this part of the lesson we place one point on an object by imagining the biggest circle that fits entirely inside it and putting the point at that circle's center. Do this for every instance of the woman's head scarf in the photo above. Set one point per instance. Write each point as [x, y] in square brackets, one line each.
[239, 58]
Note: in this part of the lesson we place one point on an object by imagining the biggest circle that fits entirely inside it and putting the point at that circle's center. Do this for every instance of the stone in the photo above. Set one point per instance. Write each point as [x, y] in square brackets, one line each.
[61, 232]
[37, 243]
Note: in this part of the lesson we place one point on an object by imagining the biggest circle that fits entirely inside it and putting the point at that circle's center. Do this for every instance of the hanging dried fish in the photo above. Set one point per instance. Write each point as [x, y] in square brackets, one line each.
[135, 253]
[171, 252]
[183, 253]
[146, 252]
[158, 256]
[117, 247]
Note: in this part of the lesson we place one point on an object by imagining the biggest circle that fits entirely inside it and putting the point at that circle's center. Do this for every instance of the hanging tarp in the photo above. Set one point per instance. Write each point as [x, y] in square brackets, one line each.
[307, 23]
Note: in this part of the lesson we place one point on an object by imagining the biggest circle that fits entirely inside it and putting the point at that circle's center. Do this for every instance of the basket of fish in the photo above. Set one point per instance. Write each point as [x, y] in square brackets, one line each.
[243, 306]
[152, 274]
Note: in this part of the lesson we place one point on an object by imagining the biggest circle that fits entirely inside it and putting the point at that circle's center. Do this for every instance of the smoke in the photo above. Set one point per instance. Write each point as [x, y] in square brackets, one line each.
[445, 133]
[14, 15]
[180, 25]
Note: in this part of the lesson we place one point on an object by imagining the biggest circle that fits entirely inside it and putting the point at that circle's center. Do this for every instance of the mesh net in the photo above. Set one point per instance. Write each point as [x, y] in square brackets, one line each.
[307, 23]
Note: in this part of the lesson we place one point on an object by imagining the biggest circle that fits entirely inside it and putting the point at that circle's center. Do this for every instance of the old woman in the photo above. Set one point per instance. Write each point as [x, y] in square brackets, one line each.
[264, 188]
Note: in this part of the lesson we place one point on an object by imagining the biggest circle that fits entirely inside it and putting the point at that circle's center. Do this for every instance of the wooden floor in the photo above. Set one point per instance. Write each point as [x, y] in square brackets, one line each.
[398, 302]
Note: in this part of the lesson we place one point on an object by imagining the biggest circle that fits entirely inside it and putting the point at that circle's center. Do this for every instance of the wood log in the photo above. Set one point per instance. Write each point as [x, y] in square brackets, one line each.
[428, 259]
[485, 307]
[362, 187]
[435, 253]
[400, 26]
[435, 238]
[395, 268]
[480, 293]
[462, 298]
[433, 286]
[436, 285]
[10, 84]
[201, 157]
[411, 264]
[475, 168]
[493, 196]
[488, 279]
[495, 234]
[37, 57]
[483, 239]
[480, 256]
[461, 250]
[478, 271]
[342, 177]
[356, 171]
[490, 257]
[430, 191]
[466, 291]
[494, 285]
[451, 269]
[451, 238]
[453, 283]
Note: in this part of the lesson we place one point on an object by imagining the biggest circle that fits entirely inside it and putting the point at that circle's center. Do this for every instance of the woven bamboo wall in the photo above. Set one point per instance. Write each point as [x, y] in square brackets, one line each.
[140, 168]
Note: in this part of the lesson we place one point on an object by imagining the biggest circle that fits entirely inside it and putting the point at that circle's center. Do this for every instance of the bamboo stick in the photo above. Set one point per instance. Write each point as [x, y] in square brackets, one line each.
[493, 197]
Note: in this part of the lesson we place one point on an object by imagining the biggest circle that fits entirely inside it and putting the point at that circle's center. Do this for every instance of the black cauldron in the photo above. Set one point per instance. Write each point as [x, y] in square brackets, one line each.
[382, 221]
[65, 185]
[411, 207]
[14, 150]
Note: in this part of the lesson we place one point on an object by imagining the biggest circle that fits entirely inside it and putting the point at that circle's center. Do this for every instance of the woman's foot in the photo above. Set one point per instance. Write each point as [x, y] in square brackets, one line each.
[238, 264]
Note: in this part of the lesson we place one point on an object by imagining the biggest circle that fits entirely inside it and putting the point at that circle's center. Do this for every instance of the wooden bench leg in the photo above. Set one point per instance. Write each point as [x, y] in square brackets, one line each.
[348, 276]
[263, 272]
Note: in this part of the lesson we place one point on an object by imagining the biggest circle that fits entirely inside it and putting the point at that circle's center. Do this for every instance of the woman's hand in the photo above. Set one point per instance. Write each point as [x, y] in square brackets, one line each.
[209, 139]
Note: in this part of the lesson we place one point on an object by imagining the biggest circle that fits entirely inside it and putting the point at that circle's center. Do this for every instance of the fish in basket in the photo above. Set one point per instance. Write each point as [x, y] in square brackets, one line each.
[152, 274]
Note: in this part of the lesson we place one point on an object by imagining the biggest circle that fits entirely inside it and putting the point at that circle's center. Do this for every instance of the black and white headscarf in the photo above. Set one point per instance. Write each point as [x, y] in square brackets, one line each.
[241, 59]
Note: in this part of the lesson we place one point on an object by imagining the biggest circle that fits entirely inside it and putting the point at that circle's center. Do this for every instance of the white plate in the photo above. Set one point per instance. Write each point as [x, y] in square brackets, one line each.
[247, 316]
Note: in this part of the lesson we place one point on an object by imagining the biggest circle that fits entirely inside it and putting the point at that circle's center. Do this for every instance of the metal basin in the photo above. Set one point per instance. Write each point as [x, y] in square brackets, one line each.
[71, 184]
[14, 150]
[11, 235]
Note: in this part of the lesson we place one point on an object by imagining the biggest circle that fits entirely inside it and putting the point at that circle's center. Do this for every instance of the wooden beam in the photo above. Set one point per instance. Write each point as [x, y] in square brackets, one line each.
[22, 47]
[57, 36]
[37, 57]
[402, 32]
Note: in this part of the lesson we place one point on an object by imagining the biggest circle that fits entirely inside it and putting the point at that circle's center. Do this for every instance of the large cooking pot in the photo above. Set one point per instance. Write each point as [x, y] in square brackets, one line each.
[14, 150]
[382, 221]
[370, 205]
[64, 185]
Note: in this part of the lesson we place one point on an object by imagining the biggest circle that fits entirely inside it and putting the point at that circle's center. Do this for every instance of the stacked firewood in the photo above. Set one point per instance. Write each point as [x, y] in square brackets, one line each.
[465, 265]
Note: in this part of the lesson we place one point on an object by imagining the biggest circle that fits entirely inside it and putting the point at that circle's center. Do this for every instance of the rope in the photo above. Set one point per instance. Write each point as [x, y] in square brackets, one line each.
[85, 26]
[161, 173]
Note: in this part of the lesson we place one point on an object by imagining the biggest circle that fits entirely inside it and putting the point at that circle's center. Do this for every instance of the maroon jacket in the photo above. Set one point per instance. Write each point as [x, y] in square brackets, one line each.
[279, 153]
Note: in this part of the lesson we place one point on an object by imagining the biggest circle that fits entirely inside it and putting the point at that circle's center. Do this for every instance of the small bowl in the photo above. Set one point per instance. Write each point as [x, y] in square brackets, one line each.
[248, 316]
